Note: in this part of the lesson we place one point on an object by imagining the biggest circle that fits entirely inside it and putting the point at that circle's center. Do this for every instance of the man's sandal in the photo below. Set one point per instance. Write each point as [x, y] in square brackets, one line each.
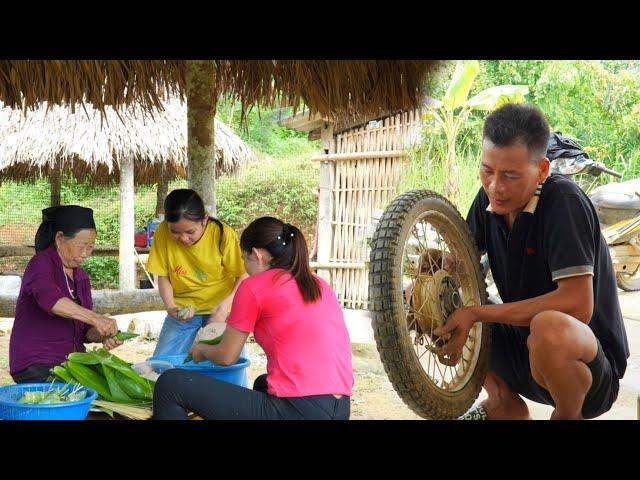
[476, 413]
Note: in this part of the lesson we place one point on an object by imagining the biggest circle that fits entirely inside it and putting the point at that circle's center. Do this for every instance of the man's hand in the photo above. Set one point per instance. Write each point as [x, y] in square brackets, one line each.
[449, 263]
[432, 260]
[455, 333]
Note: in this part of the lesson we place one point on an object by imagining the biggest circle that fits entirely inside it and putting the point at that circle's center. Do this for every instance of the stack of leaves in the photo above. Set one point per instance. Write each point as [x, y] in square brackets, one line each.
[119, 387]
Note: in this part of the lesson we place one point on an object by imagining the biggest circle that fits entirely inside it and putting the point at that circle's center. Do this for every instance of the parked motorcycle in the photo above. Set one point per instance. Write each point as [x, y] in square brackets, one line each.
[618, 208]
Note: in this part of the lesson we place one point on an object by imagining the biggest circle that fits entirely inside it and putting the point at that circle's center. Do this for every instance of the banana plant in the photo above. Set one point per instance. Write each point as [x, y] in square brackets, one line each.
[453, 110]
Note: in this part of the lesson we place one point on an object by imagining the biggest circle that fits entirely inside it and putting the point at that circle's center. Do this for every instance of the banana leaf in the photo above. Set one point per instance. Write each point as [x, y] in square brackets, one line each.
[131, 388]
[89, 378]
[125, 336]
[63, 374]
[112, 361]
[213, 341]
[86, 358]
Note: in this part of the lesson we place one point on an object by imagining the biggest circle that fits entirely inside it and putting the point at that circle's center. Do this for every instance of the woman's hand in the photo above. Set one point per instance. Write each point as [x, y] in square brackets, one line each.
[220, 313]
[111, 343]
[175, 313]
[198, 352]
[106, 326]
[222, 310]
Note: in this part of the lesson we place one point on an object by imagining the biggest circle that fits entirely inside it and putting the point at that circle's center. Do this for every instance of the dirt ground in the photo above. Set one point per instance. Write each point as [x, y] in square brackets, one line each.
[374, 397]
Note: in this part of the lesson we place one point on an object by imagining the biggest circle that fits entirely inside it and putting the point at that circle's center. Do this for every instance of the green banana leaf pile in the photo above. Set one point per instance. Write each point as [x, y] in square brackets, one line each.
[112, 378]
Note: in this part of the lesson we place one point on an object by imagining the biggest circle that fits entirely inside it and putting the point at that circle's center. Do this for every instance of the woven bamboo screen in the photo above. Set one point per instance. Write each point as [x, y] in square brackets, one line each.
[365, 170]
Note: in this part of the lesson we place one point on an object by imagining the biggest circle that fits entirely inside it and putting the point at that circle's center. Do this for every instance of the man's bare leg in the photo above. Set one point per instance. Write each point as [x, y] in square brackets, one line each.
[502, 403]
[560, 346]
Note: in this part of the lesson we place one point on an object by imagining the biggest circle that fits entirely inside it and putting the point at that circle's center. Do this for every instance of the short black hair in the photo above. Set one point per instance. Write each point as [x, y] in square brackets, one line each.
[518, 123]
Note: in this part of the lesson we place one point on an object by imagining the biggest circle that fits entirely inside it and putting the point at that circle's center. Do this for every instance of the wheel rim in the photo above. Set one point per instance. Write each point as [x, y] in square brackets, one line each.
[430, 293]
[632, 278]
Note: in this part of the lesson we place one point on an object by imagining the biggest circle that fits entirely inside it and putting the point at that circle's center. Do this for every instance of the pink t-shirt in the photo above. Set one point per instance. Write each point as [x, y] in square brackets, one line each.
[307, 344]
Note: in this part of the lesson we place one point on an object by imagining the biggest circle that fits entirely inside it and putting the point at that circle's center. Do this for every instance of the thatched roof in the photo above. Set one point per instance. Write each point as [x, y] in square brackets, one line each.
[89, 145]
[26, 83]
[338, 89]
[333, 88]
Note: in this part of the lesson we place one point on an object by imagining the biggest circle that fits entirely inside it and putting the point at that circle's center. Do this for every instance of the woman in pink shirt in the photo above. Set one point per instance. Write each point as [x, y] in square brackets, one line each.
[296, 319]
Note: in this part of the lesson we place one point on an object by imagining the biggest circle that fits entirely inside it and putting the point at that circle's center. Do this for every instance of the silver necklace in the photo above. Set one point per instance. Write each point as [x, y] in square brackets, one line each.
[73, 297]
[64, 274]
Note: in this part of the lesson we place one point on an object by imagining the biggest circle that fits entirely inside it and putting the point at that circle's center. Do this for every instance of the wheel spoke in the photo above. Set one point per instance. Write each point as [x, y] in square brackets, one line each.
[442, 244]
[413, 321]
[416, 235]
[424, 234]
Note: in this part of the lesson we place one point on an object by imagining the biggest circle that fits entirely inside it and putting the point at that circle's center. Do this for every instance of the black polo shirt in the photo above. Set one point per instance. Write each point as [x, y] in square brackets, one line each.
[557, 235]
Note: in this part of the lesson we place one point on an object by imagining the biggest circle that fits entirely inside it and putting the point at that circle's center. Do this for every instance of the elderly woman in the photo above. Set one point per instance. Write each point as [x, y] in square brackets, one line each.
[53, 312]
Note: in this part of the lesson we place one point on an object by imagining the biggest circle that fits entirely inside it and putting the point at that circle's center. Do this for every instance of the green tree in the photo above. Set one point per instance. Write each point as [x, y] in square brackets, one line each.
[596, 106]
[452, 111]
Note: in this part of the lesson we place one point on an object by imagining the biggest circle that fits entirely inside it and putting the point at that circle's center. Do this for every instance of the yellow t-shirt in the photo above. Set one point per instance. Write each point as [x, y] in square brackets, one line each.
[200, 274]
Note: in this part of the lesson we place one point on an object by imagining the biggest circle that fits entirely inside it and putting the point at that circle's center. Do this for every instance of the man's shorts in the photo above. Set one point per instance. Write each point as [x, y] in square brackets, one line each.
[510, 360]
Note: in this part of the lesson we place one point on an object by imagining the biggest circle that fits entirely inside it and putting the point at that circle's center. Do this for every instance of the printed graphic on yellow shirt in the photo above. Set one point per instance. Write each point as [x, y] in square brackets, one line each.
[202, 274]
[179, 270]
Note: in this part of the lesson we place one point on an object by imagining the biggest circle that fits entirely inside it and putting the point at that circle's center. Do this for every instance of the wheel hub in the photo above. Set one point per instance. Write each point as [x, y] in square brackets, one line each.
[435, 298]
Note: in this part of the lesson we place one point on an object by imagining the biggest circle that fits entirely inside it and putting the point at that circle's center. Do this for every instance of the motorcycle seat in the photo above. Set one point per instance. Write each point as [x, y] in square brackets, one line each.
[619, 196]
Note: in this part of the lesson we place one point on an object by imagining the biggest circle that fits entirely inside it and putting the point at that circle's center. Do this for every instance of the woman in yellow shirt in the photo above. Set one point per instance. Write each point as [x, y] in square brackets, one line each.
[199, 264]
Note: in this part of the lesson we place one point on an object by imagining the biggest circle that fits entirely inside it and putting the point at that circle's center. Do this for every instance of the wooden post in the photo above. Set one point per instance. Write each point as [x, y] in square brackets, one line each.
[161, 194]
[201, 110]
[127, 227]
[54, 183]
[325, 206]
[163, 189]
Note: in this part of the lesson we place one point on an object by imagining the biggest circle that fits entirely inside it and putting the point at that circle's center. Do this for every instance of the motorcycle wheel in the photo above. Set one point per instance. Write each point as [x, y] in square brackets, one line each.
[628, 283]
[411, 293]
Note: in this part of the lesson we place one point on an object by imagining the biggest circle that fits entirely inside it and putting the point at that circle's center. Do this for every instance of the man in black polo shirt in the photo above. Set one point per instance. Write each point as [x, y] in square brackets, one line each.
[559, 337]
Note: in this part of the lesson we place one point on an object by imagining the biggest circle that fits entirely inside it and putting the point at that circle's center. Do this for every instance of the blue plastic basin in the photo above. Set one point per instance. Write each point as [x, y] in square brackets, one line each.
[10, 409]
[235, 373]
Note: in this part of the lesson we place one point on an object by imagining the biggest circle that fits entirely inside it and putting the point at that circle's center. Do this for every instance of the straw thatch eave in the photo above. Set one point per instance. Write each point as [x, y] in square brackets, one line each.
[339, 89]
[101, 83]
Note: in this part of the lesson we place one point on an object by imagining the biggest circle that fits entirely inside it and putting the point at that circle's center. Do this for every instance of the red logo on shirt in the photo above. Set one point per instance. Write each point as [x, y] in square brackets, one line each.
[531, 250]
[179, 270]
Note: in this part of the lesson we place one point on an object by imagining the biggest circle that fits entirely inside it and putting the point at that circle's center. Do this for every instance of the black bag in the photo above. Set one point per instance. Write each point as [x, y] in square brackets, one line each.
[562, 146]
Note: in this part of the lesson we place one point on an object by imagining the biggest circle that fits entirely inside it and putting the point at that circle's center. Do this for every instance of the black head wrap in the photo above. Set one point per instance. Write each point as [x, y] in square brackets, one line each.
[67, 219]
